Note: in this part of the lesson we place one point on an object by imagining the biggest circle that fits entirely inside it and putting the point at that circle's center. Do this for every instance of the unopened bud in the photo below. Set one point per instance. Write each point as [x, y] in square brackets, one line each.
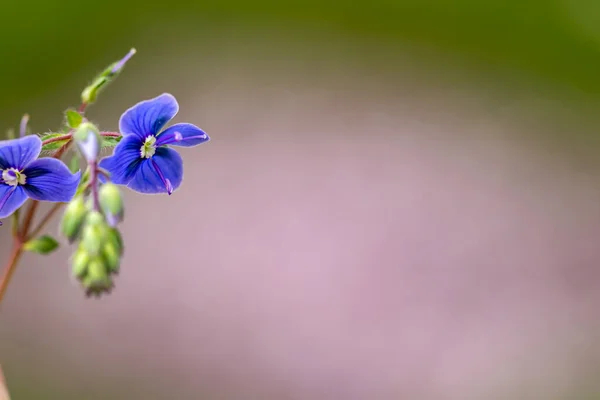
[88, 140]
[111, 202]
[80, 263]
[90, 93]
[97, 280]
[93, 234]
[111, 257]
[114, 237]
[73, 218]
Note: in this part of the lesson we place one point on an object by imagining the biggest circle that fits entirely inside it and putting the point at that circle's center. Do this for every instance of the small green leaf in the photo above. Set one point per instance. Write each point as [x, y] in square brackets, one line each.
[74, 119]
[111, 141]
[43, 245]
[55, 145]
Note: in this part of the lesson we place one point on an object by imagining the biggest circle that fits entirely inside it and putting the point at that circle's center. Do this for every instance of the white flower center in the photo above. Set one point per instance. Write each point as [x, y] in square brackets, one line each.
[13, 177]
[148, 148]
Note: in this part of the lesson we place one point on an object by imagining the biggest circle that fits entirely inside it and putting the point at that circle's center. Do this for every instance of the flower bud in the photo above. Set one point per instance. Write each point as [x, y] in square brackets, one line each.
[114, 236]
[111, 202]
[73, 218]
[88, 140]
[111, 257]
[96, 270]
[80, 263]
[90, 93]
[97, 280]
[94, 233]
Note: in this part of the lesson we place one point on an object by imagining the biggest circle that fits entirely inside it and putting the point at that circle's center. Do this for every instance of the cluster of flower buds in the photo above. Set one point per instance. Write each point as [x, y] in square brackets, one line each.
[91, 219]
[144, 158]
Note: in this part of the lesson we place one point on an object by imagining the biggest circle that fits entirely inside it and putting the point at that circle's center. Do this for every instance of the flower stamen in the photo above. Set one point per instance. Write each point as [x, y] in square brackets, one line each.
[178, 137]
[149, 147]
[164, 180]
[13, 177]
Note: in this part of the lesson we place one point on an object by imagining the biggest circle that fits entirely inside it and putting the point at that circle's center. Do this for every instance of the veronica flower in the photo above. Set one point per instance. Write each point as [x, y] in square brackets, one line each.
[142, 160]
[24, 176]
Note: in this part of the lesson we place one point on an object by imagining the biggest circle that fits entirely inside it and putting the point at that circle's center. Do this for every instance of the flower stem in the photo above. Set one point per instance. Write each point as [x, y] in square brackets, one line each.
[11, 266]
[94, 184]
[110, 134]
[60, 138]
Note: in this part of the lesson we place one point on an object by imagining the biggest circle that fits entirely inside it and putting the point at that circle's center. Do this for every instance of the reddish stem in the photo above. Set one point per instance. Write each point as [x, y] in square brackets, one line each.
[60, 138]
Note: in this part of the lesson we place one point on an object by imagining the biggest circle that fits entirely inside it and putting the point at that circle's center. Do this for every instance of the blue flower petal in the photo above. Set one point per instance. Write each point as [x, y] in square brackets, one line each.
[186, 135]
[125, 160]
[17, 153]
[148, 117]
[11, 198]
[152, 176]
[49, 179]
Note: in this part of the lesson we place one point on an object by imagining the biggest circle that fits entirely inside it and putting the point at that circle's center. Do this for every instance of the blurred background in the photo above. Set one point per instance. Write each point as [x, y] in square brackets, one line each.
[400, 200]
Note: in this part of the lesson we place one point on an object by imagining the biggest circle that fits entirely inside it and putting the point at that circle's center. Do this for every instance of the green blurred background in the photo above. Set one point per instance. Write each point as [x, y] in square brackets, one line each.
[539, 60]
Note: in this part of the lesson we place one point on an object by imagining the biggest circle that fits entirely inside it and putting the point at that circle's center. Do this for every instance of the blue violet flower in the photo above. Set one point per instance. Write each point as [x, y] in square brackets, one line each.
[142, 160]
[25, 176]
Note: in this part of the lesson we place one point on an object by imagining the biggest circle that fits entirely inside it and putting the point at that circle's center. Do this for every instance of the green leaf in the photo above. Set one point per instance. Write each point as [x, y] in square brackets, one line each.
[111, 141]
[74, 119]
[43, 245]
[55, 144]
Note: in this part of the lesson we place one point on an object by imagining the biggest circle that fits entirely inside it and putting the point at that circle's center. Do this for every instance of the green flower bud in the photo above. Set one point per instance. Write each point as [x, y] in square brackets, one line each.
[112, 257]
[111, 202]
[80, 263]
[88, 140]
[90, 93]
[113, 236]
[97, 280]
[94, 233]
[97, 270]
[73, 218]
[95, 218]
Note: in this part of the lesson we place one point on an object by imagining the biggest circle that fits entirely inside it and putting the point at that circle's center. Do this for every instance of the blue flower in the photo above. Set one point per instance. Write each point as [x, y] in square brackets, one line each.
[24, 176]
[142, 160]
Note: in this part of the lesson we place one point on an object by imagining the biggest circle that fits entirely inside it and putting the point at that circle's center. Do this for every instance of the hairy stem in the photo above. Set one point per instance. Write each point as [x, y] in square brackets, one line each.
[60, 138]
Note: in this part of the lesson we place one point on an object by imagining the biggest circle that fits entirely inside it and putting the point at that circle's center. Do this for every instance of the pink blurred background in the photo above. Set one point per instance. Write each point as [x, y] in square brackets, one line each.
[339, 238]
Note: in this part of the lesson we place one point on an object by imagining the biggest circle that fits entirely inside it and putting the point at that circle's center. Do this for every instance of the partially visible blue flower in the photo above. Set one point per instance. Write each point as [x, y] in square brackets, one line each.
[24, 176]
[142, 160]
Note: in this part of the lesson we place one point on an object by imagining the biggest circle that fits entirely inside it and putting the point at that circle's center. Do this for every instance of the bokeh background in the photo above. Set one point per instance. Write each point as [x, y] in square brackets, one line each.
[400, 200]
